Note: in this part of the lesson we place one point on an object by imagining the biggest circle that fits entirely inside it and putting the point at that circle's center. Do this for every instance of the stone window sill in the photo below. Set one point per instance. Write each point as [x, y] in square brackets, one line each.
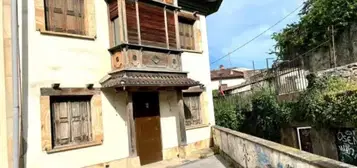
[67, 35]
[73, 147]
[192, 51]
[197, 126]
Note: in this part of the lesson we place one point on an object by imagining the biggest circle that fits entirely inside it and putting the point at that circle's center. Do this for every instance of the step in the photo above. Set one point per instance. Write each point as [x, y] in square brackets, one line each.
[203, 153]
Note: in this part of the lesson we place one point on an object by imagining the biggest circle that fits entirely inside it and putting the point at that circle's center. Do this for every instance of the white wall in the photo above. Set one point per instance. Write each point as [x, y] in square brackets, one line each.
[72, 63]
[229, 82]
[169, 119]
[198, 66]
[3, 125]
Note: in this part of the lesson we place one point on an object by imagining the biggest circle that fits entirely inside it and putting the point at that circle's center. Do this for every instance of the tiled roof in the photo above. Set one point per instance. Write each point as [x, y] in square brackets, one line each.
[226, 74]
[141, 78]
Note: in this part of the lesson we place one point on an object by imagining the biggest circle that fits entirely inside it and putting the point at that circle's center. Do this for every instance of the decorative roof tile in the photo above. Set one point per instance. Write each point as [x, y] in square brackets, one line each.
[141, 78]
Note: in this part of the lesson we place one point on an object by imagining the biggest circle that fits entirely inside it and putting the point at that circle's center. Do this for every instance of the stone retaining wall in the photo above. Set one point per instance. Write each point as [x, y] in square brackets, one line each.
[251, 152]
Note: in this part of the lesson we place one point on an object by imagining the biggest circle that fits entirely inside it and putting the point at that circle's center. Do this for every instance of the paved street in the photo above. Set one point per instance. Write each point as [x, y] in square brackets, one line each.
[215, 161]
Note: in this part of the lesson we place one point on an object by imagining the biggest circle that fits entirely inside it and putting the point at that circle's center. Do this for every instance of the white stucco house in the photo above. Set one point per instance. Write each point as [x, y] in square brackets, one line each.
[227, 77]
[106, 83]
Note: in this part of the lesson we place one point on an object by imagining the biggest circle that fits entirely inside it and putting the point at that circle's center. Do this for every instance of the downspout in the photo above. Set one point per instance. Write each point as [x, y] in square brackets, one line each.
[15, 83]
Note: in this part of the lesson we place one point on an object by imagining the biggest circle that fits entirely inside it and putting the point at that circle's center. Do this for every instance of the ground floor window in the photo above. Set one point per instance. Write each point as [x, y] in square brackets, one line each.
[192, 108]
[70, 120]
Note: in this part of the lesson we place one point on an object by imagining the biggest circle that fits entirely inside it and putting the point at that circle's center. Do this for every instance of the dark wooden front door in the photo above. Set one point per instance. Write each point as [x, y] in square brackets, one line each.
[147, 124]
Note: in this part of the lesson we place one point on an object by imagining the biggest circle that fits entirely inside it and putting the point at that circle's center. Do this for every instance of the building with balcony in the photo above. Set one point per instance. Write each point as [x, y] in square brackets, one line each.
[106, 83]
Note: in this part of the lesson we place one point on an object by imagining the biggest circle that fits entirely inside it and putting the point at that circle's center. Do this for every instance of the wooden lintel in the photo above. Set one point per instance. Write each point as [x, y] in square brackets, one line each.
[188, 15]
[182, 132]
[131, 125]
[69, 91]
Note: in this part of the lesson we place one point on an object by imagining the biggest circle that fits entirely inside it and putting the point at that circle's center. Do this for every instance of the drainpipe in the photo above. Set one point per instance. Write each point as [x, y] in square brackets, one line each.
[15, 83]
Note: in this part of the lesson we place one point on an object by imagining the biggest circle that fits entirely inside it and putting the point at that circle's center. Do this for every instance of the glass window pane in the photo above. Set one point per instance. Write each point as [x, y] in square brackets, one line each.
[116, 30]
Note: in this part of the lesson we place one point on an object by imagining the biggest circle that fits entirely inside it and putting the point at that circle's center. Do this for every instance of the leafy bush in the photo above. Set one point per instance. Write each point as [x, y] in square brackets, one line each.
[312, 29]
[327, 102]
[225, 112]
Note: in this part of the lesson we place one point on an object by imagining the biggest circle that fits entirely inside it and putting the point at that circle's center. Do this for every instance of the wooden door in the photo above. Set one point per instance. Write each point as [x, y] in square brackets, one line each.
[147, 124]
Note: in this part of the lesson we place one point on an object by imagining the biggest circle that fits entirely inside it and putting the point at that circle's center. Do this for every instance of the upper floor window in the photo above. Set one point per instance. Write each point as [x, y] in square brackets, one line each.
[116, 28]
[68, 18]
[65, 16]
[146, 23]
[114, 21]
[187, 39]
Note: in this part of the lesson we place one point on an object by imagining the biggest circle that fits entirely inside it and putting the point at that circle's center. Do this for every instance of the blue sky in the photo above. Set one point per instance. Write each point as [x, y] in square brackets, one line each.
[238, 21]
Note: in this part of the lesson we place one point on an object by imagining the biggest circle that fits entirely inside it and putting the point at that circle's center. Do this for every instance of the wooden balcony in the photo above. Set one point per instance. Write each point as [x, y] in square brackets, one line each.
[145, 58]
[144, 35]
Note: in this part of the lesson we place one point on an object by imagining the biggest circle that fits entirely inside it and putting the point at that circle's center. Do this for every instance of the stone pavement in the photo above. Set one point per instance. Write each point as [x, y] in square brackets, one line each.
[215, 161]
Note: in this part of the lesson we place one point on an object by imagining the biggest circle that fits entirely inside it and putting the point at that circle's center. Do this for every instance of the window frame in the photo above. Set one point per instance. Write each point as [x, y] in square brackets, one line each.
[46, 120]
[197, 95]
[190, 24]
[197, 36]
[116, 34]
[89, 21]
[57, 100]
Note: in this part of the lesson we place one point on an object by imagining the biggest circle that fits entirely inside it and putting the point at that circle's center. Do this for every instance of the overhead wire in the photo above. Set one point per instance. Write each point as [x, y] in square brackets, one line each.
[260, 34]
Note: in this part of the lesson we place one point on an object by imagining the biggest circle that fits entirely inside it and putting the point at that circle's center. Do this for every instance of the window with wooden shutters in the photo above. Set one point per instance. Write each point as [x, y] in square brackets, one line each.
[66, 16]
[152, 25]
[186, 29]
[114, 18]
[71, 120]
[192, 108]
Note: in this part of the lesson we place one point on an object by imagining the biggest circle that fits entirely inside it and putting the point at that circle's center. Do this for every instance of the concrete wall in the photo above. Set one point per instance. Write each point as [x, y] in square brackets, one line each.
[229, 82]
[3, 122]
[6, 85]
[169, 119]
[249, 151]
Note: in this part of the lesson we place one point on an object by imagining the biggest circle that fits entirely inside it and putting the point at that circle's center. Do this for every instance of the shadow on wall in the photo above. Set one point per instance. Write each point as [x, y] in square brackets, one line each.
[118, 101]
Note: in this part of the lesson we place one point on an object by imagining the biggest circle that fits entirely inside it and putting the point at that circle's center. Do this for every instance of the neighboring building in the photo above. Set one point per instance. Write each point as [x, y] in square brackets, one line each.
[253, 79]
[104, 83]
[227, 77]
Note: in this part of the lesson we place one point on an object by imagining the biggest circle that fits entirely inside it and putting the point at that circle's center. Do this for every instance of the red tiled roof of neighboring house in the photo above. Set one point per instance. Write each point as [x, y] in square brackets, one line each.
[226, 74]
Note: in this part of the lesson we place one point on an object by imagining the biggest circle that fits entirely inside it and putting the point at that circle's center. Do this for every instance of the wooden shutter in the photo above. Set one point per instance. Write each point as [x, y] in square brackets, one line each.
[132, 22]
[152, 25]
[186, 34]
[113, 9]
[171, 29]
[61, 124]
[71, 120]
[55, 13]
[192, 108]
[75, 16]
[80, 129]
[65, 16]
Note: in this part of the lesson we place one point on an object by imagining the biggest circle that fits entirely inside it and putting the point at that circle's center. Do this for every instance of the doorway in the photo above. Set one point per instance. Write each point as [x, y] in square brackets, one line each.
[146, 110]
